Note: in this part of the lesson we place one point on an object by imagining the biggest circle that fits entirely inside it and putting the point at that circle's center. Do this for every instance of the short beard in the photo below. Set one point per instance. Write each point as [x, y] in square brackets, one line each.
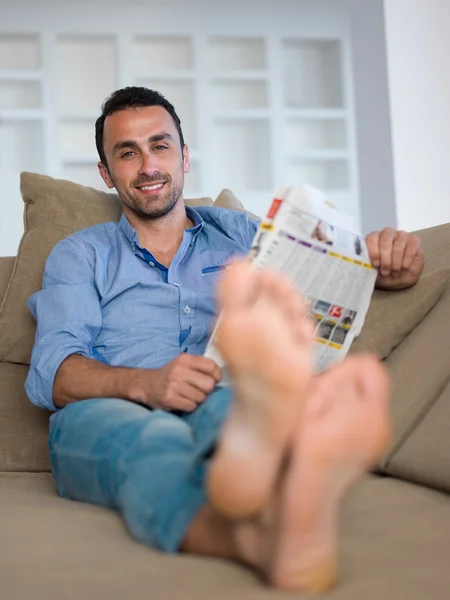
[156, 212]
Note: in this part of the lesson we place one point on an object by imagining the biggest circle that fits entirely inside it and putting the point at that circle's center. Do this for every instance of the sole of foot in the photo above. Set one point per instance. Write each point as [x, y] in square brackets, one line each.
[344, 431]
[267, 345]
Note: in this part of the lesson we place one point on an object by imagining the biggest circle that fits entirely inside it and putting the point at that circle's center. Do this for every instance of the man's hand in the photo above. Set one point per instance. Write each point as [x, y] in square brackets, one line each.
[398, 256]
[181, 384]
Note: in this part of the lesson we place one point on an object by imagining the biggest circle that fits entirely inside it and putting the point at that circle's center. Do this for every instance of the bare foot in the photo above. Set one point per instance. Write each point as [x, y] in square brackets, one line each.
[344, 431]
[293, 541]
[267, 345]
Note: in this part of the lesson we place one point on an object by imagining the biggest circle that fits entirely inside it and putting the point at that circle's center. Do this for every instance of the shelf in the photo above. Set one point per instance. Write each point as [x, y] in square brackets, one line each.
[253, 75]
[318, 155]
[22, 115]
[312, 74]
[17, 95]
[180, 93]
[250, 114]
[316, 113]
[179, 75]
[25, 75]
[171, 53]
[88, 115]
[24, 142]
[240, 155]
[318, 135]
[19, 52]
[239, 95]
[83, 159]
[236, 54]
[324, 174]
[85, 72]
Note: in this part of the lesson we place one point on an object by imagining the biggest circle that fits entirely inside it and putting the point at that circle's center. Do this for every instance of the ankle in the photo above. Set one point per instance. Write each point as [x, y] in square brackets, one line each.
[210, 534]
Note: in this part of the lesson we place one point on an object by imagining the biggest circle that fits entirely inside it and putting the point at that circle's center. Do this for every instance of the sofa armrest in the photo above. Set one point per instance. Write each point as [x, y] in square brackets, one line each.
[6, 267]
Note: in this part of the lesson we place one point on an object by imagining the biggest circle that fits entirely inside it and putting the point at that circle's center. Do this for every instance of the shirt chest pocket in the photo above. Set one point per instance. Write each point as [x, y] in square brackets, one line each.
[213, 270]
[209, 277]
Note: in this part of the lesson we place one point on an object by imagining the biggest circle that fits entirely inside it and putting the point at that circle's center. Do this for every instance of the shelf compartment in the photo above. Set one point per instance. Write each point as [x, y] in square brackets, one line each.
[85, 73]
[180, 93]
[85, 173]
[325, 174]
[16, 95]
[20, 52]
[236, 95]
[76, 139]
[168, 53]
[24, 141]
[236, 54]
[320, 134]
[240, 155]
[192, 181]
[312, 74]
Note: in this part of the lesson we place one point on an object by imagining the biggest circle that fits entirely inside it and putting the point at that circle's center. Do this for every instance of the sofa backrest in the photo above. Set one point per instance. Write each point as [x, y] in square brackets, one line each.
[408, 328]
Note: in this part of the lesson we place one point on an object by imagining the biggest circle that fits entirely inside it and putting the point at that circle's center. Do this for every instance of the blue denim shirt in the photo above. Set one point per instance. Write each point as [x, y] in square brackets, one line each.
[107, 298]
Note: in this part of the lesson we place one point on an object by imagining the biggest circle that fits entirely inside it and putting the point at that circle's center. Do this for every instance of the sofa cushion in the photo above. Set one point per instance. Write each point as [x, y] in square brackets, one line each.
[393, 314]
[23, 427]
[53, 209]
[395, 540]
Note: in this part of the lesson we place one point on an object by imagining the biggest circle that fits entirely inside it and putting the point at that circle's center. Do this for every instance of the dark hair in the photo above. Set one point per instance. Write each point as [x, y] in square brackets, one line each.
[132, 97]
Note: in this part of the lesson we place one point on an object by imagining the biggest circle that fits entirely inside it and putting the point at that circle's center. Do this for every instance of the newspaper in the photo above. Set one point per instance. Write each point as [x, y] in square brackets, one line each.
[324, 255]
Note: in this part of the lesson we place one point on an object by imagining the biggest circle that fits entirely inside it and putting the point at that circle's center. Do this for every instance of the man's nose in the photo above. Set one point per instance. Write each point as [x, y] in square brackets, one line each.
[148, 164]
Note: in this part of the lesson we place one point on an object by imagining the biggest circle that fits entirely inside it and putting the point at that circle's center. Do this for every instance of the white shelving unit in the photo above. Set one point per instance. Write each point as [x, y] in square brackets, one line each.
[257, 110]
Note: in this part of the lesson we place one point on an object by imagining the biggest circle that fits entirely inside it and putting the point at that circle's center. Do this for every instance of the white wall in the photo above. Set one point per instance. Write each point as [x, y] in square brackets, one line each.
[418, 55]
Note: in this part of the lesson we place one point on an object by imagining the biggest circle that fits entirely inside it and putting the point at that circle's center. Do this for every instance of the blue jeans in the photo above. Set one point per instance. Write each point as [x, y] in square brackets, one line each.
[149, 465]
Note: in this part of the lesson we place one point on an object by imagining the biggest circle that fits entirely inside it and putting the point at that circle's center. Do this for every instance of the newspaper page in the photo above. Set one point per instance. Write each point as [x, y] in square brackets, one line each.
[326, 258]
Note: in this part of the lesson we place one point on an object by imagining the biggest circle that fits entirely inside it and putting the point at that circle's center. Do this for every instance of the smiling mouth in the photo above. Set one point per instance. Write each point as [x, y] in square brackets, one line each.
[152, 188]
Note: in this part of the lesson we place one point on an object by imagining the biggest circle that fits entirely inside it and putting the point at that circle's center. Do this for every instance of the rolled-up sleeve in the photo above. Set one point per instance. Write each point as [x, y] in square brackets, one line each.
[68, 315]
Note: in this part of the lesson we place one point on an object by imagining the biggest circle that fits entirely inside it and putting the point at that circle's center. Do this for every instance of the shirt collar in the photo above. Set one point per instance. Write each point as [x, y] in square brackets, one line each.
[132, 237]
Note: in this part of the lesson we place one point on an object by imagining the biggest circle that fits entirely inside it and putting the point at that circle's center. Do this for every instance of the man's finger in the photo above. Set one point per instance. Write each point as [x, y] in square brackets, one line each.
[373, 248]
[398, 251]
[184, 404]
[206, 366]
[413, 251]
[202, 383]
[386, 242]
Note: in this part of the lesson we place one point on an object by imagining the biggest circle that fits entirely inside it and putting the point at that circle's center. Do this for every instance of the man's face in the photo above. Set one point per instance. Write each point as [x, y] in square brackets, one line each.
[145, 161]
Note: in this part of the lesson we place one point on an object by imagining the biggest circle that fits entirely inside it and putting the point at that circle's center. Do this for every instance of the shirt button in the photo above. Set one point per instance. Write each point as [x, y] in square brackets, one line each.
[187, 309]
[151, 263]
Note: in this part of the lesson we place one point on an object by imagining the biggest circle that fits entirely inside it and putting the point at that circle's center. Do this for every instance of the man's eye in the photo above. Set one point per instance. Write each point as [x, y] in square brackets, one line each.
[160, 148]
[128, 154]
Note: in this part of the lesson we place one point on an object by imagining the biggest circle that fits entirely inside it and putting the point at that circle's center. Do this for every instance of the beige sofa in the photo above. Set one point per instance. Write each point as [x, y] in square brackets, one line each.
[395, 533]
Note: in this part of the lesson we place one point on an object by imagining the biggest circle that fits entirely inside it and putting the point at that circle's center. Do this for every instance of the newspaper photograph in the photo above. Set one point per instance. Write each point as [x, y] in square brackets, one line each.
[326, 258]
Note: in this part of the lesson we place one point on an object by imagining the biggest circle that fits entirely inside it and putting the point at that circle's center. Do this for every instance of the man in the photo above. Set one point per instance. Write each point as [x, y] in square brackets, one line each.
[139, 424]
